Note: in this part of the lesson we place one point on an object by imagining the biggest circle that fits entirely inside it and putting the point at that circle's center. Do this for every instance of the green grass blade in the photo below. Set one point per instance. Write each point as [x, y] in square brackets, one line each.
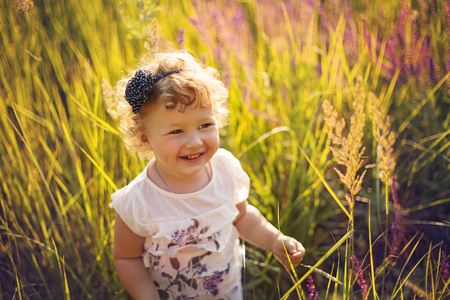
[325, 183]
[319, 262]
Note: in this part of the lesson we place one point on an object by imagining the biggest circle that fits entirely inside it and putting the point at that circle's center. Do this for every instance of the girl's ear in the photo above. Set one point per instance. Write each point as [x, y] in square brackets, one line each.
[146, 142]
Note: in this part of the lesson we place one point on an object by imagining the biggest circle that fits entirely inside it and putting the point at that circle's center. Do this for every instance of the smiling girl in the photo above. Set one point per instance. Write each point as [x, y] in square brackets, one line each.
[178, 223]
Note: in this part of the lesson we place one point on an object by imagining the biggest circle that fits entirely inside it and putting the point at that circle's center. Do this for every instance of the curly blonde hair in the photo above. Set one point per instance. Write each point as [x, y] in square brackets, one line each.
[195, 81]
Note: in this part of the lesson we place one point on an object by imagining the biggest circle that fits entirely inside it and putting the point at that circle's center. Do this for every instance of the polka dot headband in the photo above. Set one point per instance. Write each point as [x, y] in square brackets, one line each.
[139, 87]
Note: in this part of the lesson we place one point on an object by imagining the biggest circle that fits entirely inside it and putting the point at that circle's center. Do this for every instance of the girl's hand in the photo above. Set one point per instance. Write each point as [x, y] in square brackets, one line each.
[293, 247]
[254, 228]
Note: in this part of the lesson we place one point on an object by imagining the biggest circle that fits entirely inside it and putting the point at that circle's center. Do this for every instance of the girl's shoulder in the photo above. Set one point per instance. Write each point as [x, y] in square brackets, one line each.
[128, 202]
[137, 184]
[228, 168]
[225, 159]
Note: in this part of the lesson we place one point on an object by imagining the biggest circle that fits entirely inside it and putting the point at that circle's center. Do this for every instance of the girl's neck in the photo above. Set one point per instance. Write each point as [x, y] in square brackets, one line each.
[185, 185]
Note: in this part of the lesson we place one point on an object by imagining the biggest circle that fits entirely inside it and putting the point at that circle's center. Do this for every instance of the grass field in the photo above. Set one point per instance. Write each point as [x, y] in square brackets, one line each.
[339, 115]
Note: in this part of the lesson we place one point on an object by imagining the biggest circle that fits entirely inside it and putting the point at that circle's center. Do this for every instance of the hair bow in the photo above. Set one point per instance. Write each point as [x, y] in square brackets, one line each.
[139, 87]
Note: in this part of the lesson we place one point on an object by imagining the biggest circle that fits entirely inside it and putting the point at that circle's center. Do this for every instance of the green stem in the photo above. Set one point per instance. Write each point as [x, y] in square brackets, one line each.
[386, 239]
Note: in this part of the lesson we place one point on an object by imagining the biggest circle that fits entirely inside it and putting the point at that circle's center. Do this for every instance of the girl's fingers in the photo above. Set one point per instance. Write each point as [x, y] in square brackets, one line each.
[294, 249]
[297, 252]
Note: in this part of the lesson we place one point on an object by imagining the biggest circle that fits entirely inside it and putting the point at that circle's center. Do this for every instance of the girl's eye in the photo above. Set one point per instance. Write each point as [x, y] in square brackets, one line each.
[176, 131]
[205, 125]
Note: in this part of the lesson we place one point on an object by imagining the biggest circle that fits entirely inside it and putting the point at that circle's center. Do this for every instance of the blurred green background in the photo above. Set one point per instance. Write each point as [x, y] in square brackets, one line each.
[382, 66]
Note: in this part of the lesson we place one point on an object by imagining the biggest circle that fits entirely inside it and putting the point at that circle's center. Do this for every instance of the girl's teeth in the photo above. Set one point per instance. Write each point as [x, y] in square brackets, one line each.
[192, 156]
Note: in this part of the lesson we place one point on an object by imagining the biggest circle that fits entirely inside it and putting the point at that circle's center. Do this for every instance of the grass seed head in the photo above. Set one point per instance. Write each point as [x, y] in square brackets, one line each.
[348, 150]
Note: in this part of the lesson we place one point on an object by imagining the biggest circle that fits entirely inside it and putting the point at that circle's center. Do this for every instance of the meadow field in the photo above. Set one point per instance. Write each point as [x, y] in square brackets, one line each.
[339, 115]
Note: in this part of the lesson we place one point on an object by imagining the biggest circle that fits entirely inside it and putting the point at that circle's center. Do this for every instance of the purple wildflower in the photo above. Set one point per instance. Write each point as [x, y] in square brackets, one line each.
[423, 7]
[436, 69]
[239, 16]
[313, 294]
[430, 65]
[401, 21]
[361, 281]
[447, 10]
[181, 39]
[415, 66]
[394, 190]
[424, 53]
[445, 267]
[405, 50]
[202, 30]
[447, 65]
[398, 230]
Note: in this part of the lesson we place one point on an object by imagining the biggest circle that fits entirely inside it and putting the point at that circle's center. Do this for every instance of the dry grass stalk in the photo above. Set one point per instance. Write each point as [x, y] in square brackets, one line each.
[385, 138]
[348, 150]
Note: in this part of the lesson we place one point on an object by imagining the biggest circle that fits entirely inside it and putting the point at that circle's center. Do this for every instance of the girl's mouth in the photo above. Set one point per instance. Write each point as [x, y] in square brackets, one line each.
[189, 157]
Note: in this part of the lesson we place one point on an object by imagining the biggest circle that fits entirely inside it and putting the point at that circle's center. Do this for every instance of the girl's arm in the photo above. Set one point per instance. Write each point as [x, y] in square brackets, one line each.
[130, 268]
[255, 228]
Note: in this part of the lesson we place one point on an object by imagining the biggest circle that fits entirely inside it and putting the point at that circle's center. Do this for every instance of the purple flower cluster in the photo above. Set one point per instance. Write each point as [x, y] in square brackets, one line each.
[445, 267]
[313, 294]
[397, 228]
[181, 39]
[410, 47]
[361, 281]
[231, 37]
[447, 9]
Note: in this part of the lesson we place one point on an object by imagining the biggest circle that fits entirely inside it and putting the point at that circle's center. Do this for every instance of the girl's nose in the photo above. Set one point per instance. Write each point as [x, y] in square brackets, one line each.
[194, 141]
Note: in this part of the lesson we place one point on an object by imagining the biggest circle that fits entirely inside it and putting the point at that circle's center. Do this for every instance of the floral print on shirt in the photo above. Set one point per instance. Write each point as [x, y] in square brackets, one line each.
[191, 236]
[179, 279]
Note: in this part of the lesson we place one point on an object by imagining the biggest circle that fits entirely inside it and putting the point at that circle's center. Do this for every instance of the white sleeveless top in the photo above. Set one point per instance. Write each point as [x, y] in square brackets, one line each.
[192, 247]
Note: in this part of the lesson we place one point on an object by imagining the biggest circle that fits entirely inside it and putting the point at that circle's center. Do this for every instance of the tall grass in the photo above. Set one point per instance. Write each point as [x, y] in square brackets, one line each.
[62, 156]
[59, 156]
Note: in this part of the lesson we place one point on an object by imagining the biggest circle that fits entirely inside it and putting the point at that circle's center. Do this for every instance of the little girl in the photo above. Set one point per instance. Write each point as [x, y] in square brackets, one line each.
[178, 223]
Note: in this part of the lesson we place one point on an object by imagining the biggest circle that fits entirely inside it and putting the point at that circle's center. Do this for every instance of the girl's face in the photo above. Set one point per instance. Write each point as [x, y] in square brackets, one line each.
[183, 142]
